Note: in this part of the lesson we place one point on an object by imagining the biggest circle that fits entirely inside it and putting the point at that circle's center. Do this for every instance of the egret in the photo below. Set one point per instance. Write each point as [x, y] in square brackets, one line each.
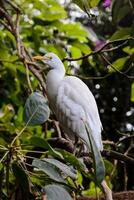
[74, 105]
[72, 102]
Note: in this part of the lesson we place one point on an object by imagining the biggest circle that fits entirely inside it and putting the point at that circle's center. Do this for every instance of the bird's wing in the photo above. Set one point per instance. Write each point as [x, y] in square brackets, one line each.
[75, 104]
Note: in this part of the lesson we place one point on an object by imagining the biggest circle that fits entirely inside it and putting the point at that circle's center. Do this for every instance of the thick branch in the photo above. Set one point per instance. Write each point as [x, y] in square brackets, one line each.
[60, 142]
[118, 156]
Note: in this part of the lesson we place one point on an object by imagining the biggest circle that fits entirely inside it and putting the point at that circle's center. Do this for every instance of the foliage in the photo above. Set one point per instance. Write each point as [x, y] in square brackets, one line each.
[32, 164]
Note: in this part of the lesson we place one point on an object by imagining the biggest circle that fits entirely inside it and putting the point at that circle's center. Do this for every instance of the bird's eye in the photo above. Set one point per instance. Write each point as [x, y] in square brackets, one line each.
[50, 57]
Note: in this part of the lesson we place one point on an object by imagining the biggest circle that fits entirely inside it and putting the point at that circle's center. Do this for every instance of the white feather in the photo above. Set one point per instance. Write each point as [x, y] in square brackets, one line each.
[73, 103]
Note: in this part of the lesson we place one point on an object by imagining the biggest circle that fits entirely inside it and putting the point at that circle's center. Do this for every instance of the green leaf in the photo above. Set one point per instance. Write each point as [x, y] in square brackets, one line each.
[132, 92]
[99, 167]
[39, 142]
[70, 158]
[76, 53]
[117, 7]
[94, 3]
[63, 167]
[122, 12]
[71, 30]
[19, 118]
[21, 178]
[86, 4]
[54, 192]
[121, 34]
[49, 169]
[82, 46]
[53, 12]
[92, 190]
[36, 110]
[109, 166]
[129, 50]
[118, 64]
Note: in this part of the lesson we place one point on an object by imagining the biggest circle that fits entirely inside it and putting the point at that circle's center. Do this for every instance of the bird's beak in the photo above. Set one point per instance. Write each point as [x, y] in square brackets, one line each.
[38, 58]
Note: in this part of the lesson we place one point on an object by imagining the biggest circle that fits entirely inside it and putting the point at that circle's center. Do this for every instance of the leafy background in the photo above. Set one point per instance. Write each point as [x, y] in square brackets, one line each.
[65, 29]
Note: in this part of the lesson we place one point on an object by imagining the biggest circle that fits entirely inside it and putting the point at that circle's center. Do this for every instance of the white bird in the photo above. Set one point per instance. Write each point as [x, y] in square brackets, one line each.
[71, 101]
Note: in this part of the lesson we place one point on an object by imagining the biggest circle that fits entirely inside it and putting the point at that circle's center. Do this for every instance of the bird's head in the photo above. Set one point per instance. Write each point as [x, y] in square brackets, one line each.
[51, 59]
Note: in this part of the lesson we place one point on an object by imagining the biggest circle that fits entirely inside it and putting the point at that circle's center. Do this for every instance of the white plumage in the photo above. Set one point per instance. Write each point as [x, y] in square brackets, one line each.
[72, 102]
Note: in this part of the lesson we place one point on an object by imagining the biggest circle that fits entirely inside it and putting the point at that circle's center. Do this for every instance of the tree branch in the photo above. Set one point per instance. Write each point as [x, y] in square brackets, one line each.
[60, 142]
[102, 49]
[115, 69]
[14, 6]
[9, 20]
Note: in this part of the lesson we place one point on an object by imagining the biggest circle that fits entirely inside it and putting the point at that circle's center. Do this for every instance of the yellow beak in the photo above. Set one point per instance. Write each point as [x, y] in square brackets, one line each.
[39, 58]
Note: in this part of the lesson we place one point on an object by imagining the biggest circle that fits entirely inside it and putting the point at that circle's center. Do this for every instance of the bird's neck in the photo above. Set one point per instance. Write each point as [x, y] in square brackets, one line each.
[54, 78]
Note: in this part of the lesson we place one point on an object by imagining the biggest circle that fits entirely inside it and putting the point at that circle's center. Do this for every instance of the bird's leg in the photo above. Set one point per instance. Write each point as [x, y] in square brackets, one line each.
[76, 139]
[56, 124]
[80, 145]
[107, 190]
[80, 150]
[58, 128]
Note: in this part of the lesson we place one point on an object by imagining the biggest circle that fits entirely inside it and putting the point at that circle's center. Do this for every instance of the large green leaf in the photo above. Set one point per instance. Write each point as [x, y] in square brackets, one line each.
[122, 12]
[71, 30]
[99, 167]
[116, 9]
[49, 10]
[56, 192]
[76, 53]
[68, 171]
[121, 34]
[49, 169]
[83, 47]
[118, 64]
[73, 160]
[36, 110]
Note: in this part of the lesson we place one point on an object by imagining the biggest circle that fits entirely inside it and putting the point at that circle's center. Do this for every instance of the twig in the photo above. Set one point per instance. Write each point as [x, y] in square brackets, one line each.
[29, 55]
[8, 18]
[113, 67]
[1, 160]
[18, 40]
[28, 78]
[15, 7]
[125, 138]
[39, 77]
[5, 25]
[131, 6]
[19, 134]
[114, 48]
[33, 64]
[109, 142]
[100, 50]
[27, 150]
